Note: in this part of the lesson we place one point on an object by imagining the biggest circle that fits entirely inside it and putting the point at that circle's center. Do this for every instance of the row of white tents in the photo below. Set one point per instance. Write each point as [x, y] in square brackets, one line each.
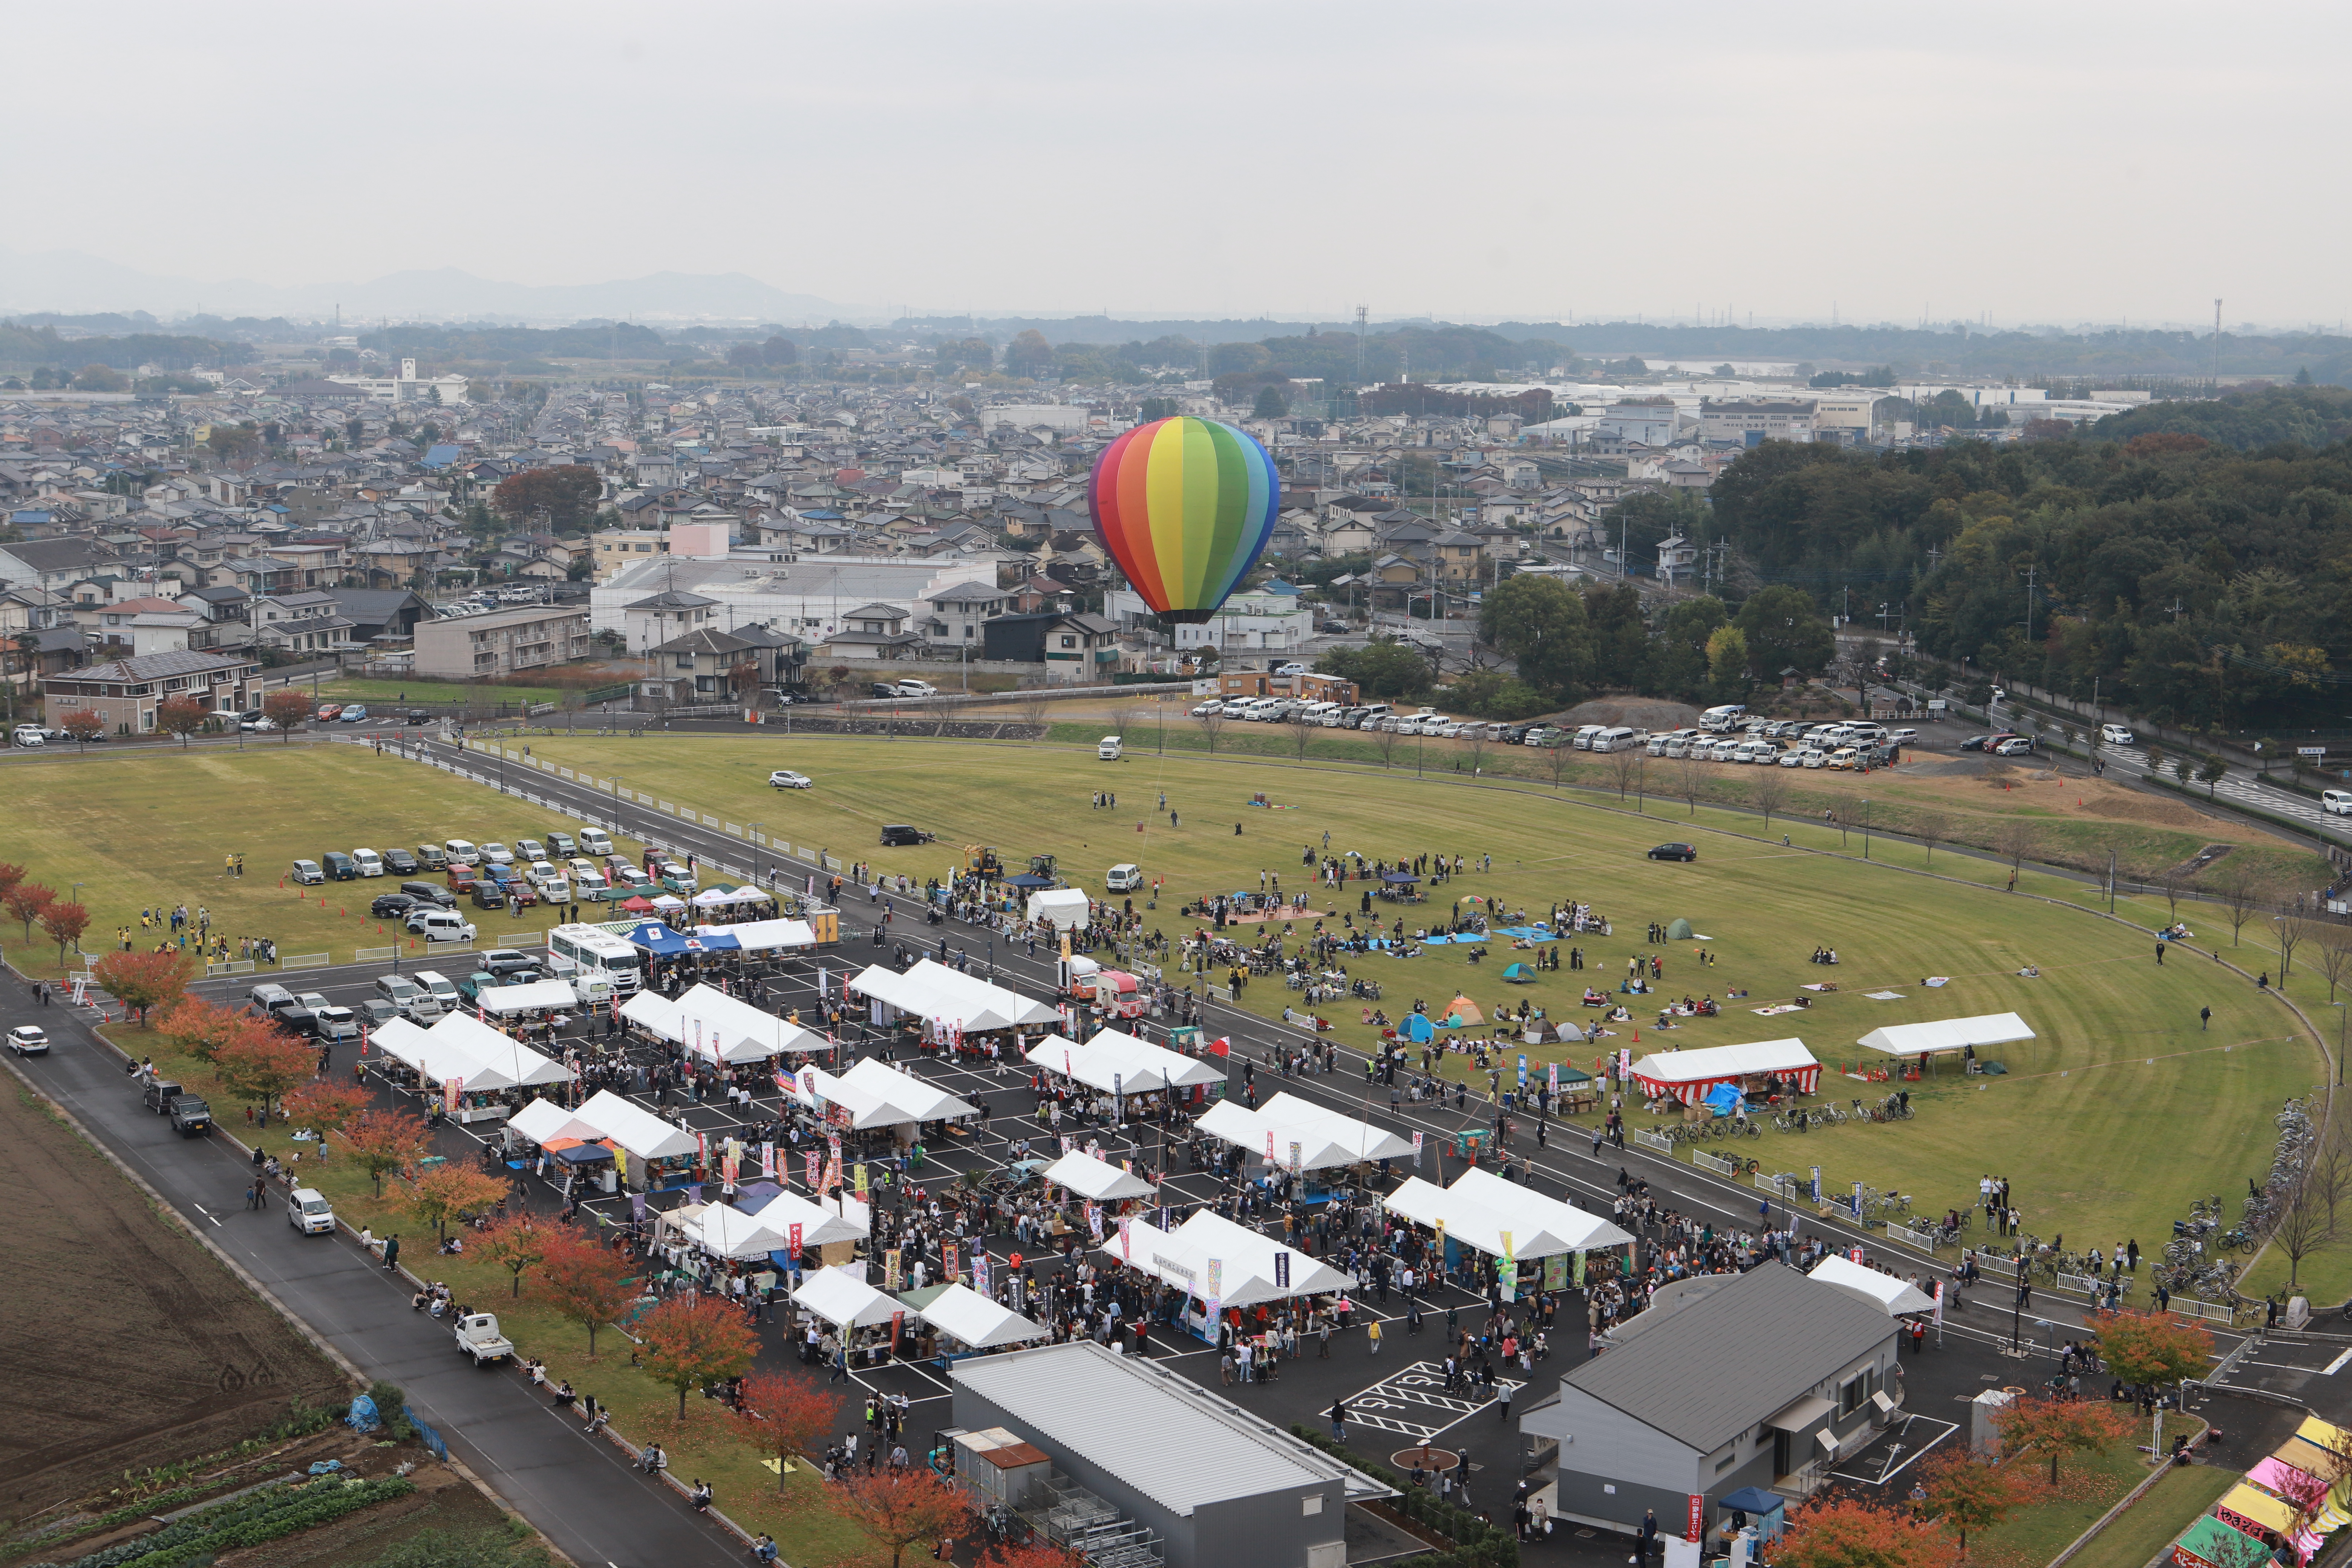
[931, 990]
[1118, 1063]
[1296, 1135]
[710, 1022]
[463, 1049]
[1687, 1075]
[875, 1094]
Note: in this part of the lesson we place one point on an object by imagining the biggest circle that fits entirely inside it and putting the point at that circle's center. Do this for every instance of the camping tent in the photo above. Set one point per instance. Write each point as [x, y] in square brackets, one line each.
[964, 1314]
[1520, 974]
[1480, 1206]
[1680, 931]
[1898, 1297]
[1687, 1075]
[1063, 907]
[1948, 1034]
[1461, 1010]
[1096, 1179]
[1247, 1275]
[843, 1299]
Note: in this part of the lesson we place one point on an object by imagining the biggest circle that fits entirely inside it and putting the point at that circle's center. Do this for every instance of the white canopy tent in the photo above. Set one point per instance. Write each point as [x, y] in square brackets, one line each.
[964, 1314]
[1948, 1034]
[932, 990]
[729, 1029]
[763, 936]
[1096, 1179]
[1062, 906]
[820, 1224]
[652, 1010]
[1480, 1206]
[543, 1121]
[1899, 1296]
[866, 1107]
[910, 1093]
[725, 1231]
[843, 1299]
[1181, 1256]
[531, 996]
[1120, 1063]
[439, 1059]
[1324, 1138]
[639, 1131]
[500, 1051]
[723, 898]
[1688, 1075]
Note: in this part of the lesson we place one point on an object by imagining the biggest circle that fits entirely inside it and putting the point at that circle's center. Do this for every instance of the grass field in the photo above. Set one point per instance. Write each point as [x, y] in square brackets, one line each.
[2109, 1125]
[430, 692]
[2155, 1521]
[2091, 1123]
[151, 830]
[2087, 1487]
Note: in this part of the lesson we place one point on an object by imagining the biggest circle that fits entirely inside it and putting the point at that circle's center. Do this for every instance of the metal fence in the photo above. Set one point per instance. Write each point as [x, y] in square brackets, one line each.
[2210, 1311]
[1720, 1165]
[230, 966]
[1649, 1140]
[306, 961]
[1904, 1233]
[375, 955]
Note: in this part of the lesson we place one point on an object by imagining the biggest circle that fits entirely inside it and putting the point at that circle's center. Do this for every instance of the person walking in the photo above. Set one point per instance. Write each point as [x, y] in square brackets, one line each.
[2204, 1019]
[1649, 1534]
[392, 1253]
[1339, 1421]
[1372, 1332]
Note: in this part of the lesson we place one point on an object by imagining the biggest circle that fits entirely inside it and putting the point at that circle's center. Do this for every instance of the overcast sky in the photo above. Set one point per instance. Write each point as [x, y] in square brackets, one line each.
[2048, 162]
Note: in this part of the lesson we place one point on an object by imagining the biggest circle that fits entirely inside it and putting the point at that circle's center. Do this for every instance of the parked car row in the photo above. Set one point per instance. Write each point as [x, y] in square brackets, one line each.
[1788, 744]
[909, 688]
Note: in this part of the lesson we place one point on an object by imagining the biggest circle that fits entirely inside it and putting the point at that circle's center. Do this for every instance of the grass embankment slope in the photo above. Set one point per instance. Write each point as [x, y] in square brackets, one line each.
[2110, 1124]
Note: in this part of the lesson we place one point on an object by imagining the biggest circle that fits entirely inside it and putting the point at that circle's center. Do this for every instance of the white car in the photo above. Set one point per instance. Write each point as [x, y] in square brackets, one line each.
[2116, 735]
[1214, 705]
[308, 1211]
[1793, 759]
[1815, 758]
[497, 855]
[28, 1041]
[784, 778]
[1902, 737]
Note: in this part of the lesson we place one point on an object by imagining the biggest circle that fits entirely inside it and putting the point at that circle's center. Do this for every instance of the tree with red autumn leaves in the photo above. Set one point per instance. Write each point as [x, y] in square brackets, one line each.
[517, 1244]
[693, 1341]
[1970, 1491]
[25, 902]
[143, 982]
[1035, 1553]
[781, 1417]
[896, 1509]
[65, 920]
[181, 716]
[384, 1141]
[258, 1066]
[2053, 1428]
[1843, 1532]
[325, 1105]
[584, 1283]
[448, 1193]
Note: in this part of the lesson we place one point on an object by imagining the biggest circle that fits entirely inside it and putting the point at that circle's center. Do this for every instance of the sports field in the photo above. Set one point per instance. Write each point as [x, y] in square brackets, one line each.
[2109, 1125]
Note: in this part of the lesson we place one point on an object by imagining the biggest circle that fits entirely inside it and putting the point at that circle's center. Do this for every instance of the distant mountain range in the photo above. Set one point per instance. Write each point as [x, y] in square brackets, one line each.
[68, 280]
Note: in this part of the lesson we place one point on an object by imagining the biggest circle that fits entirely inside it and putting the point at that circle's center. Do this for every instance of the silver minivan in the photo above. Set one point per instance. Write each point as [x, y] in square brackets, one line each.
[1584, 734]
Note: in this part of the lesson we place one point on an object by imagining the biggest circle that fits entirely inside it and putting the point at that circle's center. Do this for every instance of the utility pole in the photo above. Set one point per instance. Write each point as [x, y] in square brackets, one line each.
[2217, 348]
[1362, 312]
[2031, 572]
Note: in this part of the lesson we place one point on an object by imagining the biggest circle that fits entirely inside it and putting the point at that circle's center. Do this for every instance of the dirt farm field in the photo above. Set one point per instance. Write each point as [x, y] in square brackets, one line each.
[126, 1346]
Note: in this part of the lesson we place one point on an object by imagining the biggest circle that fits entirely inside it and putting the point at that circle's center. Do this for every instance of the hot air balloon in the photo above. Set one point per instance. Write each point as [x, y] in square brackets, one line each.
[1185, 507]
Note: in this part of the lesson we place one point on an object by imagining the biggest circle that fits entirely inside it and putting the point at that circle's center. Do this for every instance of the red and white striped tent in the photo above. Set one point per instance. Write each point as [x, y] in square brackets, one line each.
[1688, 1075]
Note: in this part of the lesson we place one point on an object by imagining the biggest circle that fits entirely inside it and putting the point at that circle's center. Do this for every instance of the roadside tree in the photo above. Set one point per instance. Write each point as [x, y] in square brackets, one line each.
[287, 709]
[584, 1283]
[384, 1141]
[781, 1417]
[258, 1064]
[25, 902]
[181, 716]
[693, 1341]
[896, 1510]
[84, 726]
[65, 920]
[449, 1193]
[517, 1244]
[143, 982]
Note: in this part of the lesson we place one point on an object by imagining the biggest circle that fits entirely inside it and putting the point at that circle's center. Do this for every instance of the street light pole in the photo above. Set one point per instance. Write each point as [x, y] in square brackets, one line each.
[2016, 1308]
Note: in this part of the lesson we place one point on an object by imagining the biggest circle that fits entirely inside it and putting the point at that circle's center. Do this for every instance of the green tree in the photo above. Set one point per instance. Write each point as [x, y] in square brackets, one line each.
[1784, 628]
[969, 353]
[1726, 663]
[1384, 670]
[1491, 694]
[1540, 623]
[1029, 354]
[1271, 404]
[567, 495]
[1620, 640]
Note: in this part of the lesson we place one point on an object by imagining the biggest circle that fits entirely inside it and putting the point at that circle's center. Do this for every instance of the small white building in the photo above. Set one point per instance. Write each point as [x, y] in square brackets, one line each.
[1248, 623]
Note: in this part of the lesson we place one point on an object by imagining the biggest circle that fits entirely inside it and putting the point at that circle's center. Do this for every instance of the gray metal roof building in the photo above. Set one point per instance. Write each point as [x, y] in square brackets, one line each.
[1217, 1484]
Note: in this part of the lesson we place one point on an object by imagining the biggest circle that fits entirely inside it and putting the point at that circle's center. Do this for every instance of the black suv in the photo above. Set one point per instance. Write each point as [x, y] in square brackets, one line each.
[899, 833]
[400, 863]
[432, 893]
[190, 1116]
[392, 906]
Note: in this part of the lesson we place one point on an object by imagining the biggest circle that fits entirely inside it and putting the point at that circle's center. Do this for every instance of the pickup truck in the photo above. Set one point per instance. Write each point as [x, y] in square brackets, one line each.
[478, 1336]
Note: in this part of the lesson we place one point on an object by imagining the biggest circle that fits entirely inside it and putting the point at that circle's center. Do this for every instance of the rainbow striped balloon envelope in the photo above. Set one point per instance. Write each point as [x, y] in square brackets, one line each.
[1185, 507]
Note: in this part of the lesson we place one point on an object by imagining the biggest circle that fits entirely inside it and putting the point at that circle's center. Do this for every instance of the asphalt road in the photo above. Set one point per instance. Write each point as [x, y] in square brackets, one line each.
[582, 1493]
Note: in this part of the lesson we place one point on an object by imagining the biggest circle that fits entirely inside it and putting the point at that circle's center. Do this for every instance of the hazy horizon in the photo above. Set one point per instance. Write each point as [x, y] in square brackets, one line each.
[2012, 166]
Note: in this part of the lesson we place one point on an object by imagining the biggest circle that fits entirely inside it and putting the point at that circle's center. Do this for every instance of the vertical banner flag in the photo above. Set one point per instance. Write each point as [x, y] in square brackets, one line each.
[890, 1269]
[1555, 1271]
[950, 1261]
[1506, 1270]
[1580, 1270]
[980, 1271]
[809, 1157]
[1939, 1303]
[1551, 1078]
[1216, 1278]
[1297, 1155]
[792, 1243]
[450, 1089]
[897, 1322]
[1282, 1270]
[1817, 1184]
[861, 1180]
[768, 1161]
[1127, 1239]
[1416, 1150]
[1696, 1528]
[1523, 1070]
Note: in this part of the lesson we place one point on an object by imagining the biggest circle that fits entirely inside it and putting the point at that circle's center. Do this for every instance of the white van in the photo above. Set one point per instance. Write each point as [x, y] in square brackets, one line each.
[1584, 734]
[594, 841]
[1723, 718]
[438, 986]
[1754, 752]
[1124, 878]
[1265, 711]
[1322, 713]
[441, 925]
[368, 861]
[2336, 802]
[461, 852]
[1107, 748]
[1622, 738]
